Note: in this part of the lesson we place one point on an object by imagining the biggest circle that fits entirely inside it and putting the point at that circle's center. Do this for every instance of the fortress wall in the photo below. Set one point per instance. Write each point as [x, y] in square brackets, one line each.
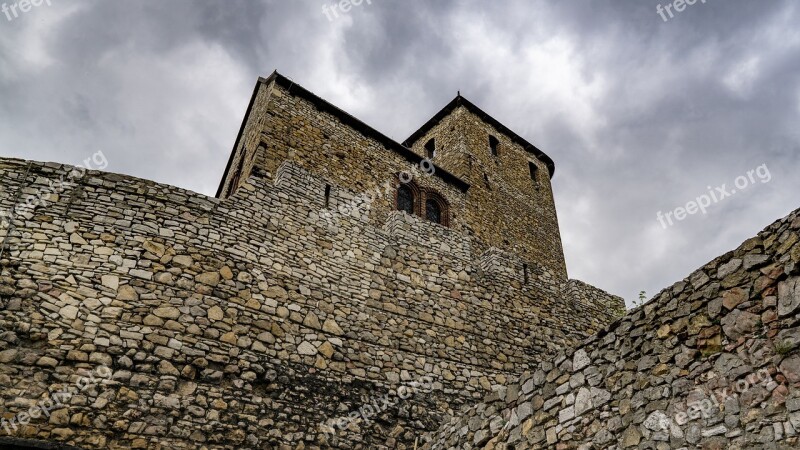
[251, 321]
[711, 362]
[594, 301]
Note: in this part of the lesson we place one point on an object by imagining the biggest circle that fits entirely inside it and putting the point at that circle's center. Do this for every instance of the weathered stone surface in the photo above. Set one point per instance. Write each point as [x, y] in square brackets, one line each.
[739, 323]
[6, 356]
[583, 401]
[167, 312]
[215, 313]
[790, 367]
[69, 312]
[110, 281]
[712, 364]
[727, 269]
[306, 349]
[183, 261]
[580, 360]
[788, 296]
[734, 297]
[209, 278]
[257, 319]
[330, 326]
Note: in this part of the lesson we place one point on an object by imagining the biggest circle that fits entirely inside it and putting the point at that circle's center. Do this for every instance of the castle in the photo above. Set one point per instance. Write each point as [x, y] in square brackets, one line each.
[343, 290]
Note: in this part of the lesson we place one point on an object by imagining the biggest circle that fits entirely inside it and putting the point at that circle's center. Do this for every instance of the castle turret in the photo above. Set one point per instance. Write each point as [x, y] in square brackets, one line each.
[510, 203]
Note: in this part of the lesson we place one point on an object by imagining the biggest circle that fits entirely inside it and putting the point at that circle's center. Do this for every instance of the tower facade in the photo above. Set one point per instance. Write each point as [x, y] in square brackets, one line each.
[480, 177]
[510, 202]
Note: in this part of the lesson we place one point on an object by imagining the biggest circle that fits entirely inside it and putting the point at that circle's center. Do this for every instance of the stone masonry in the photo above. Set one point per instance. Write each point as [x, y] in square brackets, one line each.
[259, 318]
[711, 362]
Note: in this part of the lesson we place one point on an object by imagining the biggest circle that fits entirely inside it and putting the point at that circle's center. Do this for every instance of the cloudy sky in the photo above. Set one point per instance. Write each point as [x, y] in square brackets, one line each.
[639, 114]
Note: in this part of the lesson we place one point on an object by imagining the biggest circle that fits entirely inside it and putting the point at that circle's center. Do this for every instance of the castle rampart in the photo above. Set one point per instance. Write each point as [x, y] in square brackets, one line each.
[251, 321]
[710, 362]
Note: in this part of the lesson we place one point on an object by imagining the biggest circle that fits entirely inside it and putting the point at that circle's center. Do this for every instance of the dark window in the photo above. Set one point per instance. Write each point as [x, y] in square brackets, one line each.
[525, 273]
[493, 144]
[405, 199]
[237, 176]
[430, 149]
[433, 211]
[534, 169]
[327, 195]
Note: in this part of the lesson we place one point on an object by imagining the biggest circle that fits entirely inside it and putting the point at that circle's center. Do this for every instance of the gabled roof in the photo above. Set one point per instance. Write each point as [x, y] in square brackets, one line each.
[461, 101]
[347, 119]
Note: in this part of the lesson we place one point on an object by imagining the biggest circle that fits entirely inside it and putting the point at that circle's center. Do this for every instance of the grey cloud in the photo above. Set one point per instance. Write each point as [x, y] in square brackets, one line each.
[639, 115]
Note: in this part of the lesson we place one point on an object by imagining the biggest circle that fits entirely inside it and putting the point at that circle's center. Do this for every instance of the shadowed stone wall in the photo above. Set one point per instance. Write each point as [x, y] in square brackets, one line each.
[711, 362]
[251, 321]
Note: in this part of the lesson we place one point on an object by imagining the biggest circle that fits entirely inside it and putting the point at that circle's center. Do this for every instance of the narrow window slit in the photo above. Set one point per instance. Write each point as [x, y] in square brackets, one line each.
[493, 144]
[430, 149]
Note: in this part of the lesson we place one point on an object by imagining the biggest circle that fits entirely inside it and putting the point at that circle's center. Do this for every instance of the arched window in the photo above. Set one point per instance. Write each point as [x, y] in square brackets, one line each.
[436, 209]
[422, 202]
[405, 199]
[433, 211]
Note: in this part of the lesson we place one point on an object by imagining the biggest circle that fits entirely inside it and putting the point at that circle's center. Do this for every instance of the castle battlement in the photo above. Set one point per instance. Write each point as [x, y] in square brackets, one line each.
[298, 294]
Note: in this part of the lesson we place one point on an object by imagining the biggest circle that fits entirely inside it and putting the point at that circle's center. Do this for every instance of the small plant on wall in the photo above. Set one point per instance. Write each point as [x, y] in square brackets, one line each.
[641, 301]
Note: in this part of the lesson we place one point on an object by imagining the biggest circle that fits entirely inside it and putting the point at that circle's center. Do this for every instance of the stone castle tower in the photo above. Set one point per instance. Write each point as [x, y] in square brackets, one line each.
[342, 290]
[490, 183]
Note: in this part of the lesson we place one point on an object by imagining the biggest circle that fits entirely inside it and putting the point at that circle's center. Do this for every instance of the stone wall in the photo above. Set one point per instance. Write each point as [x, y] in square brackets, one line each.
[252, 321]
[594, 301]
[711, 362]
[510, 211]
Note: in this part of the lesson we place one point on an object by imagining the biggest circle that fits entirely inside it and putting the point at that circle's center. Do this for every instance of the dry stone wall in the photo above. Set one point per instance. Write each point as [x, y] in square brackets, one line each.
[594, 301]
[712, 362]
[258, 321]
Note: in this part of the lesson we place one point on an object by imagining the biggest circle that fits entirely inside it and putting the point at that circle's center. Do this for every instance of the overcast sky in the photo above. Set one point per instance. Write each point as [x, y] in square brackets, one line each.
[639, 114]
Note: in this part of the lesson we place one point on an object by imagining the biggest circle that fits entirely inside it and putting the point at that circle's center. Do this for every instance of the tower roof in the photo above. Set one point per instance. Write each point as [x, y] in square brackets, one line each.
[461, 101]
